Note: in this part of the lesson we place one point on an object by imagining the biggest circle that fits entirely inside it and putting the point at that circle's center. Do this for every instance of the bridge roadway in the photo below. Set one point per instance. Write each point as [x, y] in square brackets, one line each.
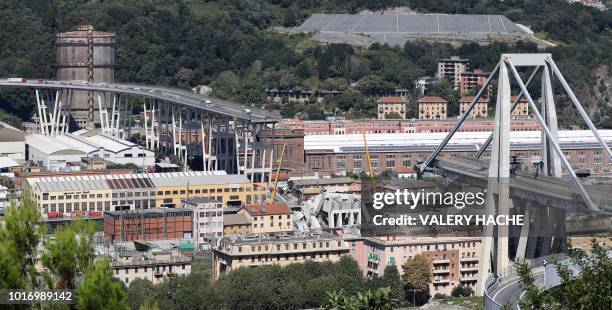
[180, 97]
[548, 191]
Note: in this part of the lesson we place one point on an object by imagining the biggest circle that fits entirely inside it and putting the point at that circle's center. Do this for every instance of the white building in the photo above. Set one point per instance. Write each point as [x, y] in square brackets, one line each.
[55, 153]
[207, 219]
[12, 142]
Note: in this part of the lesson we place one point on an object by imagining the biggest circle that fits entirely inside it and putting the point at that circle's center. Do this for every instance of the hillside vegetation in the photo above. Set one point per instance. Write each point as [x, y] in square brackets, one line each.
[227, 44]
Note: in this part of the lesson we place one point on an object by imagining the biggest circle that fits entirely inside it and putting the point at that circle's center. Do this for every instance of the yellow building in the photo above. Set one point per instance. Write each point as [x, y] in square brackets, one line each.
[481, 108]
[281, 249]
[70, 195]
[267, 218]
[432, 107]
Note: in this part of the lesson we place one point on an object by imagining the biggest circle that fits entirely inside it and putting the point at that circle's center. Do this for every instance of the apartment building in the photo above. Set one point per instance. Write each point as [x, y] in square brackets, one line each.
[472, 80]
[480, 110]
[522, 108]
[236, 224]
[154, 266]
[453, 261]
[151, 224]
[282, 249]
[452, 68]
[433, 107]
[268, 218]
[392, 108]
[207, 218]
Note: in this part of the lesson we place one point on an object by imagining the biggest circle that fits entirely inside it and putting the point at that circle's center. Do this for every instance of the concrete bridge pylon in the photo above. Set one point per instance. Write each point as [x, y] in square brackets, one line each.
[495, 246]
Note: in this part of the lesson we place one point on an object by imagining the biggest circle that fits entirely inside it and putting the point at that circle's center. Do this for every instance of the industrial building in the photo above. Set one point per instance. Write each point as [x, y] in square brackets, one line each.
[56, 153]
[12, 142]
[238, 251]
[69, 195]
[85, 54]
[150, 224]
[339, 153]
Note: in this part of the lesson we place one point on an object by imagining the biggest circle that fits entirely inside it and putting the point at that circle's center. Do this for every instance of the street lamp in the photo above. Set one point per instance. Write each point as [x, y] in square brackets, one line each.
[544, 263]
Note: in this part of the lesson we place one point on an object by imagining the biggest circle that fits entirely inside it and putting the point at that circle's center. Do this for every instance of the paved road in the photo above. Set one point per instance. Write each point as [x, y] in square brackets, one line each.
[177, 96]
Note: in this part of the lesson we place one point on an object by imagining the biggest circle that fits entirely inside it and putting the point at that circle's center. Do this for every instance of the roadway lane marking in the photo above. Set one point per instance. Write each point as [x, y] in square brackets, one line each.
[510, 283]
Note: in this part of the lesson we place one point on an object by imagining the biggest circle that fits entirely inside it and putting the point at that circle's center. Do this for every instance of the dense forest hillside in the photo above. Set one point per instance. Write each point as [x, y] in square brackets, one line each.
[228, 45]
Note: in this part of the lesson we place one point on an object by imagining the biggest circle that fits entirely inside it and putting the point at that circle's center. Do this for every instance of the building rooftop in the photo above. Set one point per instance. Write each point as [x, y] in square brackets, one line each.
[161, 211]
[235, 219]
[323, 182]
[6, 162]
[468, 99]
[53, 183]
[278, 237]
[391, 100]
[434, 99]
[428, 142]
[9, 133]
[268, 209]
[199, 200]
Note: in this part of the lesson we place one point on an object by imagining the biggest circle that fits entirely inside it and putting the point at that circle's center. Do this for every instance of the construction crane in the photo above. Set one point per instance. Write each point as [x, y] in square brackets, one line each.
[365, 143]
[280, 164]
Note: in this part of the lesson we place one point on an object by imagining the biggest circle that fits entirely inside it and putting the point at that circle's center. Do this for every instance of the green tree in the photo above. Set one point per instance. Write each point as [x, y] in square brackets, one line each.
[99, 290]
[462, 291]
[416, 278]
[19, 237]
[591, 289]
[139, 293]
[391, 279]
[381, 299]
[70, 252]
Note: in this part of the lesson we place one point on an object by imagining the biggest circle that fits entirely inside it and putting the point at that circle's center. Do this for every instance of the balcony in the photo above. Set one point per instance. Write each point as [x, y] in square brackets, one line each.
[440, 261]
[469, 268]
[441, 271]
[441, 280]
[469, 259]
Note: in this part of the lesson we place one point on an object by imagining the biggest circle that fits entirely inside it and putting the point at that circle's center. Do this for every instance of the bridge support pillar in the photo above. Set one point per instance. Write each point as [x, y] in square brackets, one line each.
[524, 237]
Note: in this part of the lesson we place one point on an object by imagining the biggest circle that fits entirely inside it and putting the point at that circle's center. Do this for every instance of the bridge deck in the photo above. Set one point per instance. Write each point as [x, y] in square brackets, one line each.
[177, 96]
[544, 187]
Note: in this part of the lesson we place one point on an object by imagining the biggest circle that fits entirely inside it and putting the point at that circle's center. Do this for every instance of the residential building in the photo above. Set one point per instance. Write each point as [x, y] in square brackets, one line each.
[452, 68]
[236, 224]
[339, 154]
[480, 109]
[281, 249]
[522, 108]
[453, 261]
[432, 107]
[154, 266]
[150, 224]
[269, 218]
[207, 218]
[403, 172]
[12, 142]
[392, 108]
[425, 83]
[472, 80]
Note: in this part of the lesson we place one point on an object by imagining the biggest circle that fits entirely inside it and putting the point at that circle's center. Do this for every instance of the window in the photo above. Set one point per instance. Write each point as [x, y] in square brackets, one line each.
[357, 161]
[390, 161]
[340, 162]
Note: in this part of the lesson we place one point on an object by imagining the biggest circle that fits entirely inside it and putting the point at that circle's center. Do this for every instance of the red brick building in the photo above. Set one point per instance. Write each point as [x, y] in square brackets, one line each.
[151, 224]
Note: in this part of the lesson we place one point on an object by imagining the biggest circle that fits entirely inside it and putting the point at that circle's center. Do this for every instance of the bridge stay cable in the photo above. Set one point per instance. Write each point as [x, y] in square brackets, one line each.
[461, 120]
[518, 98]
[554, 142]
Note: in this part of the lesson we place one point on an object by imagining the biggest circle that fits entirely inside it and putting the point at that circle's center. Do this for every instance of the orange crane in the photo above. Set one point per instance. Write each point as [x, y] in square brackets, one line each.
[280, 164]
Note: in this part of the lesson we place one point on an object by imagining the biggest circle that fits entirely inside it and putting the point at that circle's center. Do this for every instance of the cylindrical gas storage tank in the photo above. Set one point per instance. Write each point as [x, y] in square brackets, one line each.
[85, 55]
